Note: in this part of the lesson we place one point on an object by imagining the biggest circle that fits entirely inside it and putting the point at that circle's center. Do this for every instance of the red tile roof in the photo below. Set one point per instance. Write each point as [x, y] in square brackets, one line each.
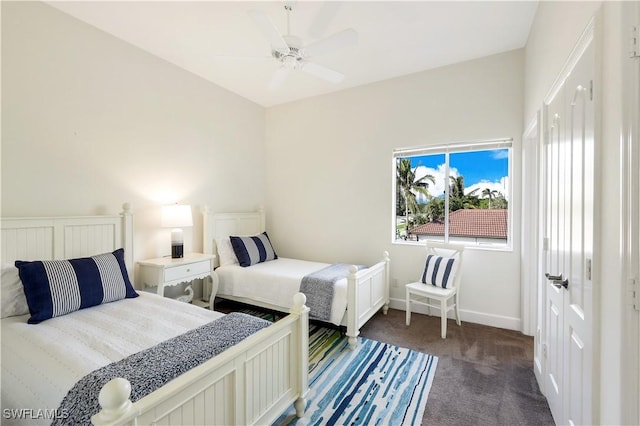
[478, 223]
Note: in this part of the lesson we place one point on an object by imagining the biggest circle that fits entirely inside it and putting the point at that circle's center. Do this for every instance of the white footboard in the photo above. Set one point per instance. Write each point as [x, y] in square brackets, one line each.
[368, 291]
[253, 382]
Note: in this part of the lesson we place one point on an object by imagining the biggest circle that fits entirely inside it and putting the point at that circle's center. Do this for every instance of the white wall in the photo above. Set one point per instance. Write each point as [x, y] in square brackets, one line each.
[329, 171]
[89, 122]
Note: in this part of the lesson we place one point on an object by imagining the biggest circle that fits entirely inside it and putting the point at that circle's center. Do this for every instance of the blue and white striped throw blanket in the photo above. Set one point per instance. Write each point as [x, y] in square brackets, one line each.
[319, 287]
[152, 368]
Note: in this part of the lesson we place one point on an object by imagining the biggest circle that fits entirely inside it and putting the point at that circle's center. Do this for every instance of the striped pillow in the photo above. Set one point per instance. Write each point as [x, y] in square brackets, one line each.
[252, 250]
[57, 287]
[439, 271]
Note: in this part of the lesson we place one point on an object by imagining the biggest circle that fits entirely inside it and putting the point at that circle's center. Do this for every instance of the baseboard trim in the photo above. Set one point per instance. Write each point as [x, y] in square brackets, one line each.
[499, 321]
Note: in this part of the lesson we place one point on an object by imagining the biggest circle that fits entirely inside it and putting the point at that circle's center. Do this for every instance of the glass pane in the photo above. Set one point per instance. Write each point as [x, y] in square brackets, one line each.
[420, 187]
[478, 200]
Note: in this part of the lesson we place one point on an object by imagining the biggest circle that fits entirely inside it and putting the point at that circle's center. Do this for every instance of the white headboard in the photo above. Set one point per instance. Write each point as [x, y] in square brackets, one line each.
[54, 238]
[219, 225]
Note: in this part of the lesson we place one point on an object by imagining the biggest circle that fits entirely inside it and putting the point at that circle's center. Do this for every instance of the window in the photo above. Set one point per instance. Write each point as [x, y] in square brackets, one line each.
[457, 192]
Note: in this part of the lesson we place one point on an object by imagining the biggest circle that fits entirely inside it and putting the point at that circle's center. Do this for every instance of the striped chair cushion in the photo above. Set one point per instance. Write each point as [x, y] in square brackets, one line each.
[57, 287]
[252, 250]
[439, 271]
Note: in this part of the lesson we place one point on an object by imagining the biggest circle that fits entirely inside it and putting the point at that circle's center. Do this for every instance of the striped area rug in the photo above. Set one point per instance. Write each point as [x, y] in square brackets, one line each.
[375, 384]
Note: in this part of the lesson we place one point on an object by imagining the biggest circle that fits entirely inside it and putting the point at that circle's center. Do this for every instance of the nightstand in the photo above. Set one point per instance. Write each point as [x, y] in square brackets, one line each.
[165, 272]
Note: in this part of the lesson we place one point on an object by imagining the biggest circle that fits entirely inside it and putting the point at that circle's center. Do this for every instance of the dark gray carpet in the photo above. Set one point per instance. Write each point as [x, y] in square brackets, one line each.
[484, 375]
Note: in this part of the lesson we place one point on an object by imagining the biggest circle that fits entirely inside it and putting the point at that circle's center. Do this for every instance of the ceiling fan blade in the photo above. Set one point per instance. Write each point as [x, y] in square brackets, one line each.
[322, 72]
[242, 58]
[278, 78]
[269, 31]
[334, 42]
[327, 12]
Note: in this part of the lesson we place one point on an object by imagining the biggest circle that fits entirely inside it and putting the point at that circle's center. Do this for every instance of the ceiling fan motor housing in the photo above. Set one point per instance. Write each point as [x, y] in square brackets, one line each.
[294, 57]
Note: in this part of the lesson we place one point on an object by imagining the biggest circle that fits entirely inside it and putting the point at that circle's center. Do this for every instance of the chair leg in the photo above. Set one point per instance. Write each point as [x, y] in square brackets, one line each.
[443, 318]
[408, 308]
[457, 311]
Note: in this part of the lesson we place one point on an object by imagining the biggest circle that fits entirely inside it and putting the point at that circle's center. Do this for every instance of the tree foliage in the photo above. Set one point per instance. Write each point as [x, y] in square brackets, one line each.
[408, 188]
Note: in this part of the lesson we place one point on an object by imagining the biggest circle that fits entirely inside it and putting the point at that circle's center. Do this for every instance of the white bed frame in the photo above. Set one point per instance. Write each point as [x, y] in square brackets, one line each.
[367, 291]
[253, 382]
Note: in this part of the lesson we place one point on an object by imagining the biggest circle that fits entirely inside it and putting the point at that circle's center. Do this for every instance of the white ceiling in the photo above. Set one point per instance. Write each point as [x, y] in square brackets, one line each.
[395, 38]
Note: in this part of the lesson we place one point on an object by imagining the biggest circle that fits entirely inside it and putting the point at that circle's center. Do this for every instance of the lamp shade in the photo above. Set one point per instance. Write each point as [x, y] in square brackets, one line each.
[177, 216]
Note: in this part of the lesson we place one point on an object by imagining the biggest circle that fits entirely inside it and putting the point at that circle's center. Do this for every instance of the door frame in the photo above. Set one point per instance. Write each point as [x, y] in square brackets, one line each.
[530, 240]
[630, 149]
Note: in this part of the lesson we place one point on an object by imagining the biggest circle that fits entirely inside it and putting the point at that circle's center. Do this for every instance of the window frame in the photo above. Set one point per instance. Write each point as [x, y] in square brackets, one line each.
[447, 149]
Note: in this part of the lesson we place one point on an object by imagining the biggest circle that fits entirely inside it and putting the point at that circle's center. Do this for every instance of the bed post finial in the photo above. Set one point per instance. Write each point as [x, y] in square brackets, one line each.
[299, 299]
[126, 208]
[114, 401]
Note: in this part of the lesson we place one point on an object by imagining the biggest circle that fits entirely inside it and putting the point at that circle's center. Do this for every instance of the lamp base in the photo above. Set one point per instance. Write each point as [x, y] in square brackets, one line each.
[177, 243]
[177, 250]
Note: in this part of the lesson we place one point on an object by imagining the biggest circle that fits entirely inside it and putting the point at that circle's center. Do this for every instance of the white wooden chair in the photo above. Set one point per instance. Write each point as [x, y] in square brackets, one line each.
[442, 267]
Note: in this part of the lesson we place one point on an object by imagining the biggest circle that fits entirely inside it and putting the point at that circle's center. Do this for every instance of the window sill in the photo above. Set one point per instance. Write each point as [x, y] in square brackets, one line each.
[479, 247]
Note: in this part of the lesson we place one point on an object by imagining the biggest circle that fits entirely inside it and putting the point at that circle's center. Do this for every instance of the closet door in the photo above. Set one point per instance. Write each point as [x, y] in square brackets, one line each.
[568, 242]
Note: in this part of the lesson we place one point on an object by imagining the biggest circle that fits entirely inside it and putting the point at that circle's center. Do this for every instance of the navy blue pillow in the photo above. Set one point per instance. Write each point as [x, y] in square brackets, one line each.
[58, 287]
[252, 250]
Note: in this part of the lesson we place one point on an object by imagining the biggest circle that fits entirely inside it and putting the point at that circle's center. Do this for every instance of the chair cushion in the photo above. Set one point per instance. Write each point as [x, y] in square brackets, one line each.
[420, 289]
[439, 271]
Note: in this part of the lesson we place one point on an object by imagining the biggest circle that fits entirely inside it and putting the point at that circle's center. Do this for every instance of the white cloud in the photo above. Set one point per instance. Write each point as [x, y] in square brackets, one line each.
[439, 175]
[501, 154]
[501, 187]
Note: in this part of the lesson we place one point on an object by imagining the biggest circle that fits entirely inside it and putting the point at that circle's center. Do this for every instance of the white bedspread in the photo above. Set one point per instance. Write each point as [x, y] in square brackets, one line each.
[41, 362]
[276, 282]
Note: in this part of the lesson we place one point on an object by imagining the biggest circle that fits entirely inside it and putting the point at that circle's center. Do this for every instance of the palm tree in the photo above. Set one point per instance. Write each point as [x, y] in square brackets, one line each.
[409, 187]
[458, 199]
[490, 193]
[456, 189]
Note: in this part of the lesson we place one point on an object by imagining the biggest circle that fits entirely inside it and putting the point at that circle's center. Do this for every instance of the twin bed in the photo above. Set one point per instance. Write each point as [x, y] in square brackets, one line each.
[87, 353]
[251, 382]
[271, 284]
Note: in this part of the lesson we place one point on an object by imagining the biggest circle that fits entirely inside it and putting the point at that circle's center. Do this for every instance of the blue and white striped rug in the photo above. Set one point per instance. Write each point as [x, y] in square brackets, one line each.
[375, 384]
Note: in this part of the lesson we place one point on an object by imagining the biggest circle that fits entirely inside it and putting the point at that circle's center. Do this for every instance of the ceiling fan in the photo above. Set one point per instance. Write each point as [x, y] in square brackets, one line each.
[289, 51]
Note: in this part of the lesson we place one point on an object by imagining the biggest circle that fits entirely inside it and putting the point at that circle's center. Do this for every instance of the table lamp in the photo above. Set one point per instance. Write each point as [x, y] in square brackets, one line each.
[176, 217]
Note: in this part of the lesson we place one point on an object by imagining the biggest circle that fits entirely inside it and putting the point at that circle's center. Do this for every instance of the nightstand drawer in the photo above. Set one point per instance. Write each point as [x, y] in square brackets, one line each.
[183, 271]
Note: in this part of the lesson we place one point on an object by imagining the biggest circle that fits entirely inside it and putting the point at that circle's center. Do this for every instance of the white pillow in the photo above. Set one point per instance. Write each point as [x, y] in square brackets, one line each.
[226, 255]
[12, 298]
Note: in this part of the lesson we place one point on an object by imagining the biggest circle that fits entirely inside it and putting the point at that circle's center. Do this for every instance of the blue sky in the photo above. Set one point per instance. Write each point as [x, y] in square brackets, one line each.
[479, 168]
